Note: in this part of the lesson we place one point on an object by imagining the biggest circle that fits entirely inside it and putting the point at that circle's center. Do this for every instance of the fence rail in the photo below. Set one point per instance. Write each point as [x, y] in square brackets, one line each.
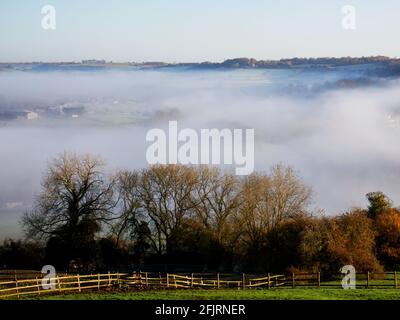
[140, 280]
[18, 288]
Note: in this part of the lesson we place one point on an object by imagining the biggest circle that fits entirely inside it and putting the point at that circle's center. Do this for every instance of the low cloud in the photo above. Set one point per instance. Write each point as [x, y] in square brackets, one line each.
[342, 141]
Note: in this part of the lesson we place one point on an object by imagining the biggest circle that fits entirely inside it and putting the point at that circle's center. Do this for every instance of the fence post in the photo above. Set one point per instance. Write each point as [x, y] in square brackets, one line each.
[59, 283]
[98, 281]
[395, 279]
[175, 282]
[147, 280]
[244, 281]
[293, 285]
[269, 280]
[319, 279]
[16, 286]
[37, 285]
[79, 283]
[192, 280]
[109, 279]
[218, 280]
[167, 280]
[368, 279]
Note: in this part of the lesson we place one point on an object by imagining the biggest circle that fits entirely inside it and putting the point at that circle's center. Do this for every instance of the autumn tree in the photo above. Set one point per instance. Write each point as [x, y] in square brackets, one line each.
[388, 238]
[378, 202]
[330, 243]
[281, 247]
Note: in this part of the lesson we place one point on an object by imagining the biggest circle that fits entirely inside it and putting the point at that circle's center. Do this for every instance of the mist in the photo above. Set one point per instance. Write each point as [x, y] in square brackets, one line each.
[343, 142]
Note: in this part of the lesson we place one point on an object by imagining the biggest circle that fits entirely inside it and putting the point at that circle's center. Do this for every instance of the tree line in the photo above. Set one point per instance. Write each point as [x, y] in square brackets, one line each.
[86, 220]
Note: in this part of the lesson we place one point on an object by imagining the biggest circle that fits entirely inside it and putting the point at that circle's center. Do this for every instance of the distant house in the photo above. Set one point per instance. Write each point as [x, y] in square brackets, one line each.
[30, 115]
[93, 61]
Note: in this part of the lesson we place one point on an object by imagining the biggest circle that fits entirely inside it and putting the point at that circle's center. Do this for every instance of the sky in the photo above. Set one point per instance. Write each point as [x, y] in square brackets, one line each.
[193, 31]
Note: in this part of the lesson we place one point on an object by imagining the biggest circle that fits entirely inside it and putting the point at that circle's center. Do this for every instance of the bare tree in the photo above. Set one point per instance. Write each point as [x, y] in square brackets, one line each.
[74, 194]
[129, 204]
[267, 200]
[216, 200]
[289, 196]
[166, 193]
[254, 215]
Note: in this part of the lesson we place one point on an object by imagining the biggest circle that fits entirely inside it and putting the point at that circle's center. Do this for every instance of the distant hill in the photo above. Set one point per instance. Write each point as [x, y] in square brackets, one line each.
[298, 63]
[389, 66]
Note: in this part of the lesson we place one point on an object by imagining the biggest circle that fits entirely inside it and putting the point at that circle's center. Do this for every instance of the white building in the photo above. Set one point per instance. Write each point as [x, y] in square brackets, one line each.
[30, 115]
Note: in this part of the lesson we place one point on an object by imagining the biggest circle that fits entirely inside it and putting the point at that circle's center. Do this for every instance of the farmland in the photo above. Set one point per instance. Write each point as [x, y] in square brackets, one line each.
[234, 294]
[157, 286]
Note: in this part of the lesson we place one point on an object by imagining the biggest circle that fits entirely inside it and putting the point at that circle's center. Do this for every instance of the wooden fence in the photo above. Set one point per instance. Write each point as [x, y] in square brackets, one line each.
[60, 284]
[142, 280]
[205, 280]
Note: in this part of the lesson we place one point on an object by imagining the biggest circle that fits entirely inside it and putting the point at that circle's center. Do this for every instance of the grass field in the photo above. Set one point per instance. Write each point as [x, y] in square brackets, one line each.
[234, 294]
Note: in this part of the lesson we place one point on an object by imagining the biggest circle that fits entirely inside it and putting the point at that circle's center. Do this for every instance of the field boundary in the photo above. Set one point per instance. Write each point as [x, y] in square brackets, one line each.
[145, 280]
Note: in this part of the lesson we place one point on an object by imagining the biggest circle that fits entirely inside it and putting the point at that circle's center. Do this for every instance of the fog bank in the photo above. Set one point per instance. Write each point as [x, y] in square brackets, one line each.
[344, 142]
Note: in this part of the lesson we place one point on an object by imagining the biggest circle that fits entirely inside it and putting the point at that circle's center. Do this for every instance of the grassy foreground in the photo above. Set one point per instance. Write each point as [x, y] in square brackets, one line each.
[234, 294]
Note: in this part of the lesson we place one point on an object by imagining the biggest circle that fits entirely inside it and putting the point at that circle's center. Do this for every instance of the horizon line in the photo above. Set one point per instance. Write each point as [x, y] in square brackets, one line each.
[105, 61]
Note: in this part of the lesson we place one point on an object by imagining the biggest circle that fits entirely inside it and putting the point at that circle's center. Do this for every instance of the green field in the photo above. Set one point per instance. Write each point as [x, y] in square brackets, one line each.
[234, 294]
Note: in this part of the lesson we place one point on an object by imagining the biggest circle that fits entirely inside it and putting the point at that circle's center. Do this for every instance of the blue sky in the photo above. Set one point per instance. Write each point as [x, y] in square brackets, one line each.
[188, 30]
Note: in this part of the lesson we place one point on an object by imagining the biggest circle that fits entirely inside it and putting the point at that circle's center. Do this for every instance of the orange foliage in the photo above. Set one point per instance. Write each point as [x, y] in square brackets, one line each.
[388, 239]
